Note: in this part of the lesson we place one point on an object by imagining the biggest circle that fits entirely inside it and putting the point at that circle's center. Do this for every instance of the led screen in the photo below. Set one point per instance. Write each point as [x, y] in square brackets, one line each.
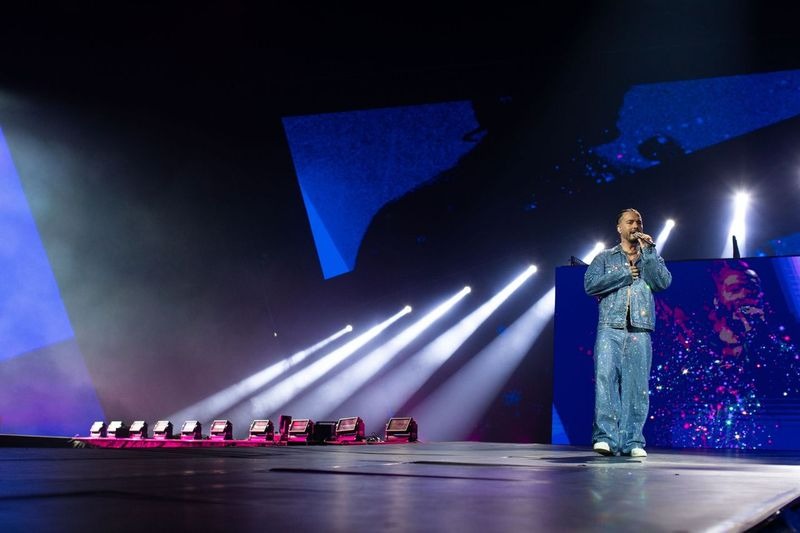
[725, 356]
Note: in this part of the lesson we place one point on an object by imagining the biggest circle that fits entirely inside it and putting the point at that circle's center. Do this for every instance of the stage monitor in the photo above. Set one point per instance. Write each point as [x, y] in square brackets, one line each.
[324, 432]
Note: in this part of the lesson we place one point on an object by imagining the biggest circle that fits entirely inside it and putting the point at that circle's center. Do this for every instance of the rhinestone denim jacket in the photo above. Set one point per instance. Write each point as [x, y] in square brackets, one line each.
[609, 279]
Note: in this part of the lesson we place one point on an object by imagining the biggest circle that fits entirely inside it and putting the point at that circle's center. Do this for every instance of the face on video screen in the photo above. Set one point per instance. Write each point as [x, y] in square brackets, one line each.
[738, 301]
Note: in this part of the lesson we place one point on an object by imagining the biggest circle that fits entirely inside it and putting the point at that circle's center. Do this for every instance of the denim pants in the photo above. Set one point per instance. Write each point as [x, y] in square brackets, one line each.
[622, 359]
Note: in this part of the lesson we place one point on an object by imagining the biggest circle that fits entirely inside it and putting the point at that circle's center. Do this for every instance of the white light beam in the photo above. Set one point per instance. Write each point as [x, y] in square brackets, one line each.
[274, 397]
[218, 403]
[324, 400]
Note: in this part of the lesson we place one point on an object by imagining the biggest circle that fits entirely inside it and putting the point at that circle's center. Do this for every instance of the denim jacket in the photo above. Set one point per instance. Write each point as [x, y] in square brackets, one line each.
[609, 278]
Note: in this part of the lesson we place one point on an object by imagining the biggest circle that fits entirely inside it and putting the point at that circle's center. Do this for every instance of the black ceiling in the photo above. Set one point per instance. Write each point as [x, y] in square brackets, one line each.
[304, 58]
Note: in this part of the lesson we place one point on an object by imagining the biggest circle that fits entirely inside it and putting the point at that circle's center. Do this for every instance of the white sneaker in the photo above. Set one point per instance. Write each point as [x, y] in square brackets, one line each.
[638, 452]
[602, 448]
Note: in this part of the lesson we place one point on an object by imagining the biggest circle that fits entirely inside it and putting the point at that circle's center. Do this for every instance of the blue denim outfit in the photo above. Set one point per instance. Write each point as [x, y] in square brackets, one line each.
[623, 350]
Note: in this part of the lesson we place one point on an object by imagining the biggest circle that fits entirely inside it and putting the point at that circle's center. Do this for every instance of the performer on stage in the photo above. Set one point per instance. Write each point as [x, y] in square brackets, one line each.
[624, 278]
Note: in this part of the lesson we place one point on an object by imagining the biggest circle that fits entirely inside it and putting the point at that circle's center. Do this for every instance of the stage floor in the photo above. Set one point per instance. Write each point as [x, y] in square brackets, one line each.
[447, 486]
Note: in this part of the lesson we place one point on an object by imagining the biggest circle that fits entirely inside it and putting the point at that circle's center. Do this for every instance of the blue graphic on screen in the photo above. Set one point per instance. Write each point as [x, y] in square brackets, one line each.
[45, 378]
[664, 120]
[351, 164]
[726, 357]
[558, 434]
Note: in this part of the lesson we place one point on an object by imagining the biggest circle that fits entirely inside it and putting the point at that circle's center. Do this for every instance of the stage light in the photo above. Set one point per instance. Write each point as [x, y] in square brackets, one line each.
[162, 430]
[509, 289]
[401, 429]
[598, 247]
[324, 400]
[741, 199]
[191, 430]
[283, 392]
[223, 400]
[98, 429]
[587, 258]
[661, 240]
[138, 429]
[350, 429]
[262, 430]
[738, 225]
[300, 430]
[392, 391]
[117, 429]
[221, 430]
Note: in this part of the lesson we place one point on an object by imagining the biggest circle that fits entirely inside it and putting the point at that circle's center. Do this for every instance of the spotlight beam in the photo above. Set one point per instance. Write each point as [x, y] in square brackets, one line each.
[451, 411]
[738, 225]
[287, 389]
[384, 398]
[599, 247]
[218, 403]
[323, 401]
[661, 240]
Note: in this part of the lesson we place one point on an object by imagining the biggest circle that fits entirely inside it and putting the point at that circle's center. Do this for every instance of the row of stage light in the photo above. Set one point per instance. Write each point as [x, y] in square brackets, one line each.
[263, 392]
[291, 386]
[403, 380]
[261, 432]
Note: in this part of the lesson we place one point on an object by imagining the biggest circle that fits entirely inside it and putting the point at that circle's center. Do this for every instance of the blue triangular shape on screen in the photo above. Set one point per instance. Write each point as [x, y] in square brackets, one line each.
[329, 256]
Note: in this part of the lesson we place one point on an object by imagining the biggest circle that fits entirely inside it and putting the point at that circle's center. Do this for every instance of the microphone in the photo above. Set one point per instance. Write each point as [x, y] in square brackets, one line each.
[641, 236]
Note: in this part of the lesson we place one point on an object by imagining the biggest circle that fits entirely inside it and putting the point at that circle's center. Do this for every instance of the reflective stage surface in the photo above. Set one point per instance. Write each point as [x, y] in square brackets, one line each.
[447, 486]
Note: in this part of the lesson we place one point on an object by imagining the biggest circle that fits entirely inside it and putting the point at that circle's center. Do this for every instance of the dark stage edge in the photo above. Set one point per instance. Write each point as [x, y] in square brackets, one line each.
[444, 486]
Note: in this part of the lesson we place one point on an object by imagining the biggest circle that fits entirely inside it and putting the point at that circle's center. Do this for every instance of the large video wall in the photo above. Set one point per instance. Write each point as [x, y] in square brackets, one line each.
[726, 356]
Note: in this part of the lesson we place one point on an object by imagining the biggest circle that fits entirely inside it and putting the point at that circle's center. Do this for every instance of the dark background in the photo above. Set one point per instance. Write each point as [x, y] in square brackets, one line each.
[148, 139]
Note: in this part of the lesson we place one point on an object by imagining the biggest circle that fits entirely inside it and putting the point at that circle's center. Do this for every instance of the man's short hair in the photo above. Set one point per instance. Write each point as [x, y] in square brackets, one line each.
[628, 210]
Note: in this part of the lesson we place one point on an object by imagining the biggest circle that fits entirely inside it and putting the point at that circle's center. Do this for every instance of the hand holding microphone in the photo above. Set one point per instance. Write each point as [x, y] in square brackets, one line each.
[644, 238]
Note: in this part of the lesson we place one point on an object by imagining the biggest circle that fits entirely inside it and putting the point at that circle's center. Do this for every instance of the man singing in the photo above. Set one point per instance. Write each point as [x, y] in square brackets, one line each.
[623, 279]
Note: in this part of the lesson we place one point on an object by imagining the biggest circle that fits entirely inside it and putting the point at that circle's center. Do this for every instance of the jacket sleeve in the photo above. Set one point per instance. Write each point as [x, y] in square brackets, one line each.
[600, 281]
[654, 271]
